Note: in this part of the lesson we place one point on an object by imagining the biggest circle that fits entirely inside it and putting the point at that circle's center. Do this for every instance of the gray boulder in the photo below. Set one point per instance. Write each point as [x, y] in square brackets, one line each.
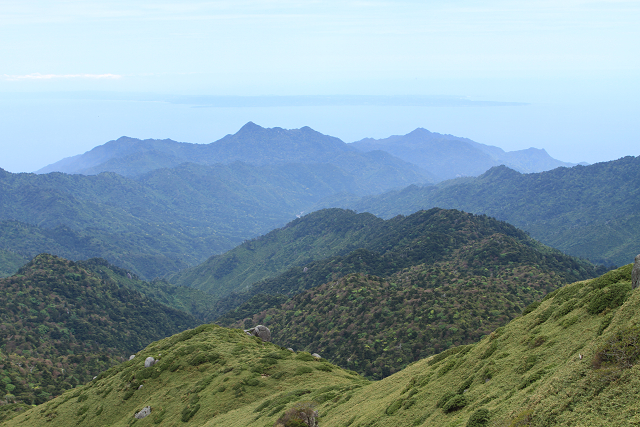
[317, 356]
[143, 413]
[149, 362]
[260, 331]
[635, 273]
[132, 356]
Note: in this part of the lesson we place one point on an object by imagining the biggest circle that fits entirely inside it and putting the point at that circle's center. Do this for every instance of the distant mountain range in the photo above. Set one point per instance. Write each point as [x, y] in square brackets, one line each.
[252, 144]
[448, 156]
[422, 156]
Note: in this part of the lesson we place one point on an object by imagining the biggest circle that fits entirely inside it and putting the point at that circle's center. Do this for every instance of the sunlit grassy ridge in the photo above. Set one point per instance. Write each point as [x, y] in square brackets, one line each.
[207, 374]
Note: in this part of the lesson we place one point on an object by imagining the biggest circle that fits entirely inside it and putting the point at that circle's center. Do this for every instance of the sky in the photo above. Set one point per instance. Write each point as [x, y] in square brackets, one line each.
[560, 75]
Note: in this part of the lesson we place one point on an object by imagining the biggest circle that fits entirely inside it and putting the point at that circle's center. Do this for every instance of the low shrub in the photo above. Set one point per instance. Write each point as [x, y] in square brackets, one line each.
[303, 370]
[612, 296]
[305, 357]
[455, 403]
[302, 414]
[531, 307]
[393, 408]
[622, 350]
[479, 418]
[444, 399]
[189, 411]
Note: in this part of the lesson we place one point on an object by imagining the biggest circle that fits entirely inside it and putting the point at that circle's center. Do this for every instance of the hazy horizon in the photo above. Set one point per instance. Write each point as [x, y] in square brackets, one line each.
[555, 75]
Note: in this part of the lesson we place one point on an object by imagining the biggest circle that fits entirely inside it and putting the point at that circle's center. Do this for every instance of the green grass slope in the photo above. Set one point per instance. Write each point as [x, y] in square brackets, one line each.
[205, 375]
[61, 324]
[585, 211]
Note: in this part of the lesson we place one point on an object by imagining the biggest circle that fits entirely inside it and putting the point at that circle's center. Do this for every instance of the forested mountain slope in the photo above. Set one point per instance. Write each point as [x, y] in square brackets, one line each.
[62, 324]
[332, 243]
[567, 361]
[390, 311]
[167, 219]
[586, 211]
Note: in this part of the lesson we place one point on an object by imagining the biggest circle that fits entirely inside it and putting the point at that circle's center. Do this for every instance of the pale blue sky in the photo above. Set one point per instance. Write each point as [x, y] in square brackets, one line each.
[75, 74]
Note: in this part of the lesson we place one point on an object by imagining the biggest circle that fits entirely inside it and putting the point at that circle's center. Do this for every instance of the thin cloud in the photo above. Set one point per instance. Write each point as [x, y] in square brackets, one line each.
[38, 76]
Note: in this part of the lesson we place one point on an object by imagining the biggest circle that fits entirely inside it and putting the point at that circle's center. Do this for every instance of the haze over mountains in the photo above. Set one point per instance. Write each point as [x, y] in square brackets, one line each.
[448, 156]
[431, 156]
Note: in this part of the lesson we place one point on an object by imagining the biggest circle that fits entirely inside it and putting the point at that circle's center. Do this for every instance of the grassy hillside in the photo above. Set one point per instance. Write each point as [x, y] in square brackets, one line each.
[378, 325]
[204, 375]
[569, 360]
[585, 211]
[61, 324]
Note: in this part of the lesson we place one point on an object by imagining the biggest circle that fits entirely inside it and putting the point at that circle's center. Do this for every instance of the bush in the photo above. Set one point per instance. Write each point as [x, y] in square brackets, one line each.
[303, 370]
[479, 418]
[189, 411]
[444, 399]
[621, 350]
[490, 350]
[301, 415]
[531, 307]
[393, 408]
[610, 297]
[305, 357]
[455, 403]
[531, 379]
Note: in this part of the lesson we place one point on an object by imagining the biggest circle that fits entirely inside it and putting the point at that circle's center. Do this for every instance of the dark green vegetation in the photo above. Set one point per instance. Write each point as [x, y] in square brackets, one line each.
[193, 301]
[560, 364]
[332, 243]
[62, 324]
[454, 278]
[448, 156]
[204, 375]
[315, 236]
[585, 211]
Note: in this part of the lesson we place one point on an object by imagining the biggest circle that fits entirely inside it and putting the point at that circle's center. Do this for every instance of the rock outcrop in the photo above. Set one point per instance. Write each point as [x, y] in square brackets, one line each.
[635, 273]
[260, 331]
[149, 362]
[143, 413]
